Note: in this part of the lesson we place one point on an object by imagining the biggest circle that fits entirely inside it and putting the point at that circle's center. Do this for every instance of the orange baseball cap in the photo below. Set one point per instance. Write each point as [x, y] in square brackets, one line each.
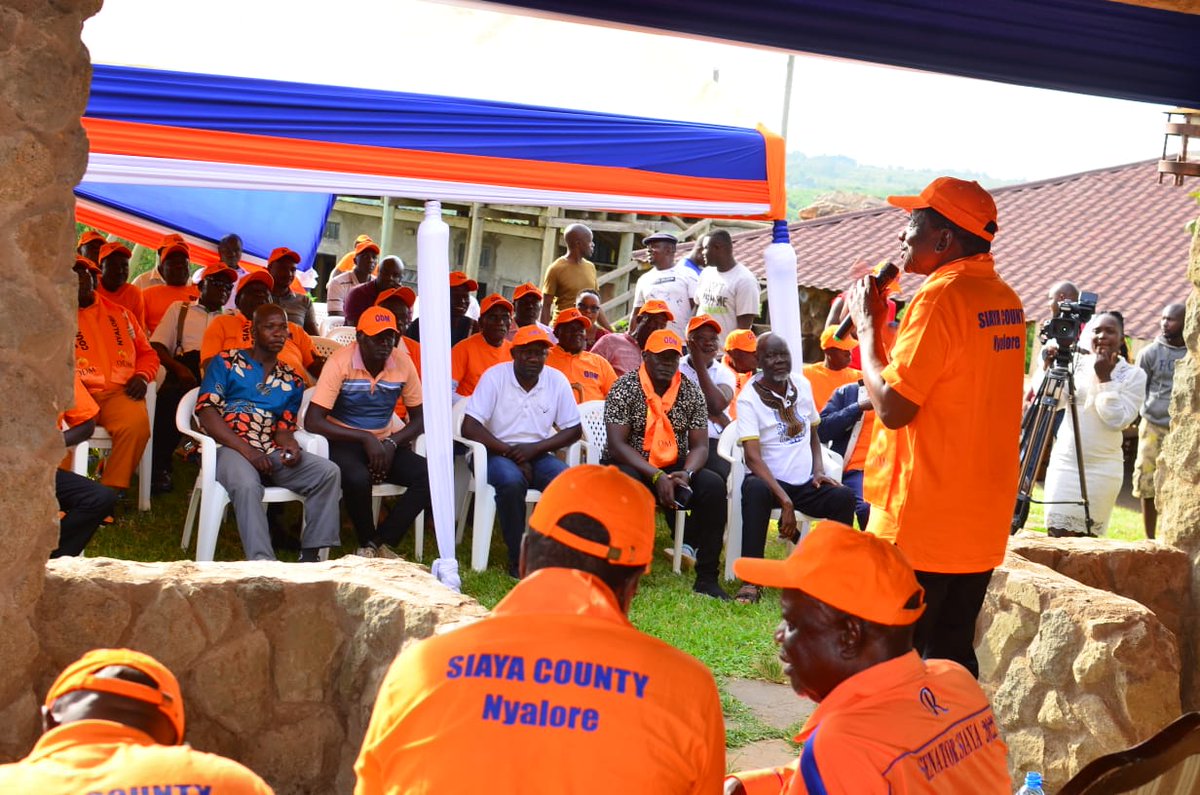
[218, 268]
[405, 294]
[458, 279]
[656, 307]
[965, 203]
[613, 499]
[80, 675]
[376, 320]
[572, 315]
[172, 243]
[364, 243]
[664, 340]
[115, 247]
[742, 339]
[525, 289]
[495, 299]
[283, 252]
[858, 573]
[531, 335]
[699, 321]
[88, 237]
[87, 263]
[256, 276]
[828, 340]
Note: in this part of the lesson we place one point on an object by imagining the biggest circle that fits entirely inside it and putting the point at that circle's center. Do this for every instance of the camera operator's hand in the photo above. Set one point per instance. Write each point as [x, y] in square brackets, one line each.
[1106, 362]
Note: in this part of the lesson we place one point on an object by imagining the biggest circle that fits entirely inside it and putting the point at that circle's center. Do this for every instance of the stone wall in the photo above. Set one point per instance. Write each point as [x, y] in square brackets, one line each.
[43, 153]
[1073, 672]
[1178, 487]
[279, 663]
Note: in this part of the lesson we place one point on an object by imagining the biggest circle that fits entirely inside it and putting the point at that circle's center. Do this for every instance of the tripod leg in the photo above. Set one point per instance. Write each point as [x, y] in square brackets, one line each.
[1035, 442]
[1087, 514]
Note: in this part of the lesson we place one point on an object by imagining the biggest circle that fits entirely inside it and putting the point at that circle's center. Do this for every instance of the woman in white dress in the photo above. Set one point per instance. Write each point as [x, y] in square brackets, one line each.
[1108, 393]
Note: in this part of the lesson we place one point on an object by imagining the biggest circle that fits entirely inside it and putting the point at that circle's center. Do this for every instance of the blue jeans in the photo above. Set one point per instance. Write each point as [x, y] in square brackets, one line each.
[510, 484]
[862, 509]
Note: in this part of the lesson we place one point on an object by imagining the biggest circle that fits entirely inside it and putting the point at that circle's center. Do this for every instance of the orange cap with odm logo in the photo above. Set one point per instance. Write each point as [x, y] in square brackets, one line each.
[742, 339]
[528, 288]
[80, 675]
[405, 294]
[572, 315]
[495, 299]
[613, 499]
[115, 247]
[376, 320]
[458, 279]
[530, 335]
[656, 307]
[856, 572]
[664, 340]
[700, 321]
[829, 340]
[965, 203]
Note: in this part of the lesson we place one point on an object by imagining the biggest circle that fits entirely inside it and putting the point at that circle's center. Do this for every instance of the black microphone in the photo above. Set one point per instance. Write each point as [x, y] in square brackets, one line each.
[886, 276]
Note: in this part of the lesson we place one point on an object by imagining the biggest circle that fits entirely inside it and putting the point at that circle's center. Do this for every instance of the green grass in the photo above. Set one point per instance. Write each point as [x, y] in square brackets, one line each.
[1123, 525]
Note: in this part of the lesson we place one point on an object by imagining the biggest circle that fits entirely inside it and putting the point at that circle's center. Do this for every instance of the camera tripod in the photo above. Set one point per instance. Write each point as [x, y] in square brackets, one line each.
[1036, 431]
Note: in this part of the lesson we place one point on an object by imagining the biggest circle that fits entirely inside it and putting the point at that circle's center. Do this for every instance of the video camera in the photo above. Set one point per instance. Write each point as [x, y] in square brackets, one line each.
[1066, 327]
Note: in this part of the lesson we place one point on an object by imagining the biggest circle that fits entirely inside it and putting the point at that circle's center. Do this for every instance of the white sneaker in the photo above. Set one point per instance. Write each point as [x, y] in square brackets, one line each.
[365, 552]
[687, 557]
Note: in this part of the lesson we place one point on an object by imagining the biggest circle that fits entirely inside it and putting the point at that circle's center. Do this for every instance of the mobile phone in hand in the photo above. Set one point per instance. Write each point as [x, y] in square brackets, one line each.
[683, 495]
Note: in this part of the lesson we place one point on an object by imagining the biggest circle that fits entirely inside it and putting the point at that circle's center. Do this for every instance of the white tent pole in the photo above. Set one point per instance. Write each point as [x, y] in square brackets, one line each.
[783, 294]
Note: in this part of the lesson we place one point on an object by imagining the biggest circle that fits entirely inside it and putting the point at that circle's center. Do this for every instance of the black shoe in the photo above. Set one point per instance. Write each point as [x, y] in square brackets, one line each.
[310, 555]
[514, 571]
[162, 482]
[711, 588]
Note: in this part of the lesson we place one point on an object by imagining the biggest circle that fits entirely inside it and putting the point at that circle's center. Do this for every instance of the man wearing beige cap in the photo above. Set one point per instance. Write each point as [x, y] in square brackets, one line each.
[886, 720]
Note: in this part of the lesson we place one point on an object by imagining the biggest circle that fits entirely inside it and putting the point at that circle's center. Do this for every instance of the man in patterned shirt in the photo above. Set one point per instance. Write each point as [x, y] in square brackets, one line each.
[248, 403]
[658, 434]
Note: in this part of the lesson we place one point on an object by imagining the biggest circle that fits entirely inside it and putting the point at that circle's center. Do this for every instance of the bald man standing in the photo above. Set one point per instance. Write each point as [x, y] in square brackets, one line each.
[571, 273]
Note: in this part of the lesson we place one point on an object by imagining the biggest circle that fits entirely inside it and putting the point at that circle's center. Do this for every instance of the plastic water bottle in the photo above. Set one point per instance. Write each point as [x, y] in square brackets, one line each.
[1033, 785]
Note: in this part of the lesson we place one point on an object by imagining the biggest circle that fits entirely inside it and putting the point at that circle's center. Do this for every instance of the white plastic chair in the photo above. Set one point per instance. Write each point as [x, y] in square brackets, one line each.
[325, 347]
[730, 449]
[330, 322]
[208, 495]
[343, 335]
[100, 440]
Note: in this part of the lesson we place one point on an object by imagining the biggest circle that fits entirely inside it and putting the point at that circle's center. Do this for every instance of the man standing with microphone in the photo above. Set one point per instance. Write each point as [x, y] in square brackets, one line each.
[949, 399]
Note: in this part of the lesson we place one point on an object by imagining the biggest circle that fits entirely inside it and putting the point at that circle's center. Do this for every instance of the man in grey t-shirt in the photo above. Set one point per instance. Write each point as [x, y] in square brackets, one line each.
[1158, 360]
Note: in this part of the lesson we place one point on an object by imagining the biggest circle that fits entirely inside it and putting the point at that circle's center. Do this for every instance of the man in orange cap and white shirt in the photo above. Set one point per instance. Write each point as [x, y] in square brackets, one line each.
[716, 382]
[113, 721]
[952, 382]
[527, 310]
[363, 259]
[471, 358]
[115, 362]
[555, 691]
[114, 283]
[834, 369]
[885, 718]
[624, 351]
[590, 376]
[523, 413]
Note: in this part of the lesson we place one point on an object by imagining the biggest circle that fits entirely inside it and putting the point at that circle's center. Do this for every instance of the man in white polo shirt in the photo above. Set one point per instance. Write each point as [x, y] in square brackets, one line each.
[775, 420]
[715, 381]
[673, 284]
[513, 412]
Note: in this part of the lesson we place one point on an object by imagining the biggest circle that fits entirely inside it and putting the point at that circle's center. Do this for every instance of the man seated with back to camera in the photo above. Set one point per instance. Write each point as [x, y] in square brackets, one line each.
[657, 425]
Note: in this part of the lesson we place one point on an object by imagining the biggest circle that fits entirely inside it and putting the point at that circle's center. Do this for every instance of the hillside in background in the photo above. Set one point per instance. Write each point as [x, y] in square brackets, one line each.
[811, 177]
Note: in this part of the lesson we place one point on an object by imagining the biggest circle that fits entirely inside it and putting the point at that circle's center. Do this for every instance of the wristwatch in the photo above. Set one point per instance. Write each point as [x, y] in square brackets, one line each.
[689, 474]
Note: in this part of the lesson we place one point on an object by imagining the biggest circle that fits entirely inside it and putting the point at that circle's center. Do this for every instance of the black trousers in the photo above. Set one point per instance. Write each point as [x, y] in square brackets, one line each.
[704, 529]
[715, 463]
[946, 630]
[166, 435]
[826, 502]
[408, 470]
[85, 503]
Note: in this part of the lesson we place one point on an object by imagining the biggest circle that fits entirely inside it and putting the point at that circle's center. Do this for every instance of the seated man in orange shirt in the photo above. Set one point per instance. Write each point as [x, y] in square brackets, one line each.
[884, 716]
[741, 356]
[848, 423]
[834, 370]
[527, 309]
[590, 376]
[114, 281]
[175, 267]
[470, 358]
[115, 362]
[399, 301]
[230, 332]
[113, 721]
[555, 691]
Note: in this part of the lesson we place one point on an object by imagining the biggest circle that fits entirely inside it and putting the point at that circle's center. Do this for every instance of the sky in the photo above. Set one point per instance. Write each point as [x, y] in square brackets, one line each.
[859, 110]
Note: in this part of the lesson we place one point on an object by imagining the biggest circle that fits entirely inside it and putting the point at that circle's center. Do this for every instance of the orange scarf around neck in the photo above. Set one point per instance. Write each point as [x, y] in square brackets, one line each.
[659, 440]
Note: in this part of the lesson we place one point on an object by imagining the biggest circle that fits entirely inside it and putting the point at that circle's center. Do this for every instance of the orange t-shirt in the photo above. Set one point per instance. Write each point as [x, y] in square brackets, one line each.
[960, 356]
[414, 352]
[470, 358]
[554, 692]
[104, 756]
[111, 347]
[825, 382]
[160, 297]
[905, 725]
[590, 376]
[85, 407]
[229, 332]
[129, 296]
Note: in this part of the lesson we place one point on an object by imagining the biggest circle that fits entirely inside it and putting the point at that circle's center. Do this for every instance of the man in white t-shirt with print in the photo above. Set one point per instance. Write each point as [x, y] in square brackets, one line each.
[776, 418]
[673, 284]
[727, 291]
[715, 381]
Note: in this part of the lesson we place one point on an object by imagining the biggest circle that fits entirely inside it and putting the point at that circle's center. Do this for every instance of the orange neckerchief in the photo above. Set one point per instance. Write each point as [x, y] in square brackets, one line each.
[659, 439]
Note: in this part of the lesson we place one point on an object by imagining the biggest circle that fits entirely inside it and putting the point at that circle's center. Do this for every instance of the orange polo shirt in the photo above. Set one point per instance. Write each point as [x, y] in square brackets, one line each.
[905, 725]
[129, 296]
[554, 692]
[102, 756]
[158, 298]
[825, 382]
[229, 332]
[111, 347]
[414, 352]
[960, 356]
[591, 376]
[470, 358]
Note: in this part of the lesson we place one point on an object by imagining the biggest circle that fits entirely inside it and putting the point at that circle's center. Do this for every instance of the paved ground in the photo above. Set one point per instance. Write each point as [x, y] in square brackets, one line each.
[775, 705]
